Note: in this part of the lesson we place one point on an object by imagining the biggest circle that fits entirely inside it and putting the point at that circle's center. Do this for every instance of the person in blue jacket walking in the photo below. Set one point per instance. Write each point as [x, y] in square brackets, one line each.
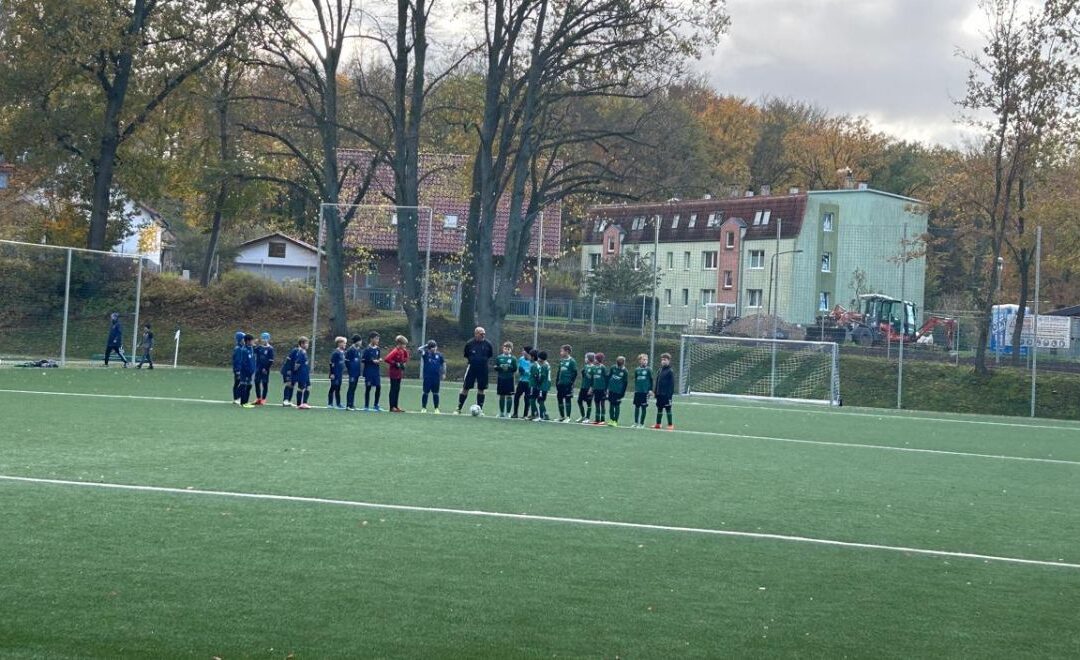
[115, 343]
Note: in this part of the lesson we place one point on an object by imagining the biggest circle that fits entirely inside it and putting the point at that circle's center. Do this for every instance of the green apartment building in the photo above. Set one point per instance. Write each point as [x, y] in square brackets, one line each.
[797, 255]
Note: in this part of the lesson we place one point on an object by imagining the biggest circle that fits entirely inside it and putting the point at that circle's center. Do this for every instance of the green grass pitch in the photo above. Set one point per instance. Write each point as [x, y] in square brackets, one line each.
[103, 572]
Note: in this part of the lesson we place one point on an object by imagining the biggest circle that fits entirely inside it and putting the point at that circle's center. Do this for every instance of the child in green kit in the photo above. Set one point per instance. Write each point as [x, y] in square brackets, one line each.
[505, 366]
[643, 383]
[599, 388]
[564, 385]
[617, 380]
[584, 398]
[543, 385]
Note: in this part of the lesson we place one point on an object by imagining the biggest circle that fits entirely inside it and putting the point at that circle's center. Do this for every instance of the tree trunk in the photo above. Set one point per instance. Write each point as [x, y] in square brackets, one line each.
[467, 311]
[223, 187]
[215, 234]
[1023, 268]
[105, 163]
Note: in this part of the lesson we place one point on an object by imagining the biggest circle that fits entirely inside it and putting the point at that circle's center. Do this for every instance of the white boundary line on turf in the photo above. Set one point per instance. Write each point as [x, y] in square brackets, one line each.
[893, 414]
[714, 434]
[541, 518]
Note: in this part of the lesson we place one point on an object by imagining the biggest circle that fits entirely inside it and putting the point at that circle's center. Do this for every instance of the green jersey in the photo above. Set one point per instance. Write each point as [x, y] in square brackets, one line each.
[586, 377]
[544, 377]
[534, 374]
[617, 380]
[567, 371]
[642, 380]
[505, 366]
[599, 377]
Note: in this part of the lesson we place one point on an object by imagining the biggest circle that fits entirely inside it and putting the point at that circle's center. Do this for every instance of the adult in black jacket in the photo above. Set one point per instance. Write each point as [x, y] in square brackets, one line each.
[115, 344]
[478, 354]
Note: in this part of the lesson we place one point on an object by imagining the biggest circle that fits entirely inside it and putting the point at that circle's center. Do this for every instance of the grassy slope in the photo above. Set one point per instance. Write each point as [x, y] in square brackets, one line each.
[110, 574]
[210, 317]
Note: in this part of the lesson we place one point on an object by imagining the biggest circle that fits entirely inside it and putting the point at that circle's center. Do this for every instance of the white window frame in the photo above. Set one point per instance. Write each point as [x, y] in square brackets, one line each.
[823, 301]
[667, 297]
[705, 260]
[757, 218]
[729, 279]
[671, 261]
[450, 222]
[713, 221]
[675, 222]
[729, 240]
[761, 263]
[750, 298]
[826, 262]
[765, 217]
[686, 297]
[708, 296]
[827, 222]
[611, 244]
[594, 260]
[693, 221]
[284, 249]
[686, 260]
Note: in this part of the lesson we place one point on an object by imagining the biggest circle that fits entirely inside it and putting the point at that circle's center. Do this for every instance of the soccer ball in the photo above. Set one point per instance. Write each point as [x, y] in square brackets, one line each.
[475, 410]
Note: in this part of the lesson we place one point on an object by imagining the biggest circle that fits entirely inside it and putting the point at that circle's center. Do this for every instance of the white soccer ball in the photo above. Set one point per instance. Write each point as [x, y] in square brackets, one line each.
[475, 410]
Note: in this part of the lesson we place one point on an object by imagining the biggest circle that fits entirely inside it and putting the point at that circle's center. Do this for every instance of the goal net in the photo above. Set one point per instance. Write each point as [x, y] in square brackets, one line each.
[760, 368]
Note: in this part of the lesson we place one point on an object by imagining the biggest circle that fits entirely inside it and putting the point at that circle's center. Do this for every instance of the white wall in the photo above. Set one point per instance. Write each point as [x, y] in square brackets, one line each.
[141, 225]
[258, 254]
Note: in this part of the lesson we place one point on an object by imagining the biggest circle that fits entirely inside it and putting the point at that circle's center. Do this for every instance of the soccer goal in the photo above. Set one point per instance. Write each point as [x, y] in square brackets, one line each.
[804, 371]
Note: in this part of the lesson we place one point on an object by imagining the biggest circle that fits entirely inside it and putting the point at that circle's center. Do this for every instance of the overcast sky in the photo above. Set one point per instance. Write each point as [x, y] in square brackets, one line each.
[892, 60]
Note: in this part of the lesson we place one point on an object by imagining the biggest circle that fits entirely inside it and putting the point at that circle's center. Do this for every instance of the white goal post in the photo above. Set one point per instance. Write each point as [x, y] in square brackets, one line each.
[770, 369]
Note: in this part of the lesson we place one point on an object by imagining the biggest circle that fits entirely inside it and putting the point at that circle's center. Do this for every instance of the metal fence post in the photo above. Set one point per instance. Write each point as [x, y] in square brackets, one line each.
[1035, 319]
[138, 304]
[592, 315]
[67, 303]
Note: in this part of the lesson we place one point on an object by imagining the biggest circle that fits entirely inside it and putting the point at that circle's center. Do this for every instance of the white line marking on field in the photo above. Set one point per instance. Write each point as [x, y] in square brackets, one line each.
[541, 518]
[893, 414]
[714, 434]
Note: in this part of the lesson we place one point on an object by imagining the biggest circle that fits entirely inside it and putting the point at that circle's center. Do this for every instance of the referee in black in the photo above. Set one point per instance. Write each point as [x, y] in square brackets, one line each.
[478, 353]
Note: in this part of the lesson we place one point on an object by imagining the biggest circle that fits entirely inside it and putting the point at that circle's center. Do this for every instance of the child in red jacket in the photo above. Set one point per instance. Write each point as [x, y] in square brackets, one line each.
[397, 359]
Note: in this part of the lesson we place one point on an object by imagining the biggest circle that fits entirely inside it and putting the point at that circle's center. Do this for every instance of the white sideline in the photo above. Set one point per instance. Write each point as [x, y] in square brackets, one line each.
[890, 413]
[552, 519]
[714, 434]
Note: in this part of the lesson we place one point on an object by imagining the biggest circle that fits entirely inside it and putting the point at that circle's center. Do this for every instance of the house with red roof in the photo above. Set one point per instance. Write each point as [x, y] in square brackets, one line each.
[796, 255]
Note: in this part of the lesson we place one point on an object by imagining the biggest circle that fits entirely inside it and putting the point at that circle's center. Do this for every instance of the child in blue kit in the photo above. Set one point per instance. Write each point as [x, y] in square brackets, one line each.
[301, 373]
[353, 366]
[286, 377]
[371, 358]
[264, 361]
[247, 370]
[337, 373]
[237, 358]
[434, 369]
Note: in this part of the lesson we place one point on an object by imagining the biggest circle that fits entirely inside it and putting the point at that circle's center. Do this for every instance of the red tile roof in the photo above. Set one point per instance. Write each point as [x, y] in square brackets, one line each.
[444, 187]
[790, 208]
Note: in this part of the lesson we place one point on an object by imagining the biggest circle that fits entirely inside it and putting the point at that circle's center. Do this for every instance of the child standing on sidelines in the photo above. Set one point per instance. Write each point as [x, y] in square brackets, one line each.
[147, 345]
[337, 374]
[434, 369]
[665, 390]
[264, 360]
[247, 370]
[617, 380]
[301, 373]
[543, 386]
[564, 384]
[505, 367]
[397, 359]
[599, 388]
[237, 358]
[371, 358]
[531, 410]
[584, 397]
[287, 377]
[352, 364]
[524, 363]
[643, 384]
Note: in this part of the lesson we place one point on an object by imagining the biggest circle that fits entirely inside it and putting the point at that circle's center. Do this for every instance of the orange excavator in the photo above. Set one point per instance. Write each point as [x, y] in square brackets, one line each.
[883, 319]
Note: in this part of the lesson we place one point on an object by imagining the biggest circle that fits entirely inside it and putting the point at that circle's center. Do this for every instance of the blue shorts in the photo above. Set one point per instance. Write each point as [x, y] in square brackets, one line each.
[372, 380]
[431, 386]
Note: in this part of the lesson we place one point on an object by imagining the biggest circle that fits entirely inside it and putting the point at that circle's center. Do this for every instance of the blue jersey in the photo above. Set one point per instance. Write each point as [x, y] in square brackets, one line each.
[264, 358]
[337, 364]
[433, 362]
[287, 365]
[370, 358]
[352, 361]
[247, 360]
[238, 355]
[116, 335]
[524, 366]
[301, 369]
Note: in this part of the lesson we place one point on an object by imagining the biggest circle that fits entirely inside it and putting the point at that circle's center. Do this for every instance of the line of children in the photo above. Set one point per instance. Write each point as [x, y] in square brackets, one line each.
[599, 396]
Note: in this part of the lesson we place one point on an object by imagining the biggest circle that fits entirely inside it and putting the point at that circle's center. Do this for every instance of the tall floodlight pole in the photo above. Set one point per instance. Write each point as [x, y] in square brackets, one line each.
[427, 279]
[1035, 324]
[539, 261]
[998, 317]
[654, 310]
[903, 321]
[67, 301]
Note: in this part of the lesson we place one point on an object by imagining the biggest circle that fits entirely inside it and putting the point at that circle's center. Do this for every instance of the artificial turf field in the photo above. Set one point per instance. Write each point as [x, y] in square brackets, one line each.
[725, 560]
